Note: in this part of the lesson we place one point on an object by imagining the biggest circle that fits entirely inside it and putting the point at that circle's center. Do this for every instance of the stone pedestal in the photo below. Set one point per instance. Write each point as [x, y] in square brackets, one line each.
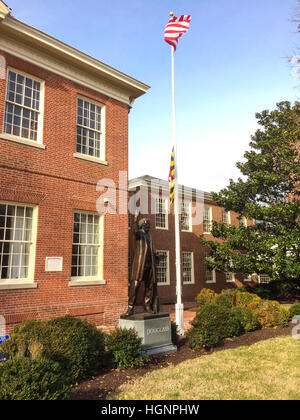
[153, 329]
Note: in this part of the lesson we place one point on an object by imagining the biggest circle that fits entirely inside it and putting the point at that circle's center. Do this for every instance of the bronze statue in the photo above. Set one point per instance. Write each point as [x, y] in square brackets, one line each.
[143, 269]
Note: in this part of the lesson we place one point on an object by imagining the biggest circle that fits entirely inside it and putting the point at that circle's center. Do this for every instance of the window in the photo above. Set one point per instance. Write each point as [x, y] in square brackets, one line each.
[264, 279]
[210, 275]
[161, 213]
[90, 137]
[163, 274]
[188, 267]
[17, 242]
[207, 219]
[247, 278]
[186, 223]
[226, 217]
[243, 221]
[86, 246]
[230, 277]
[23, 106]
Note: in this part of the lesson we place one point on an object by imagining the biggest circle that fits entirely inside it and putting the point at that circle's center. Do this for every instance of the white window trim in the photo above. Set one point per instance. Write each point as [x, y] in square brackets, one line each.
[228, 217]
[214, 280]
[210, 219]
[168, 268]
[166, 215]
[92, 280]
[24, 283]
[192, 269]
[190, 229]
[232, 280]
[102, 159]
[247, 279]
[18, 139]
[264, 282]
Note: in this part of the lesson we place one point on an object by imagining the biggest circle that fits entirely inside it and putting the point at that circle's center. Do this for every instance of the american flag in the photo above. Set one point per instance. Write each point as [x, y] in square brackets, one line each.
[172, 178]
[175, 28]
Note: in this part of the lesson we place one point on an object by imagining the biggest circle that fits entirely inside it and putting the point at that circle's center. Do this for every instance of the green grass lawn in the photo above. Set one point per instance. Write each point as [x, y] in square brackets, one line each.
[269, 370]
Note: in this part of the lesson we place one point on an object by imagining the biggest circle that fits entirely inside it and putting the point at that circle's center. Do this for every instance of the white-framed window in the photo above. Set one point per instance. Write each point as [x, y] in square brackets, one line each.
[90, 140]
[264, 279]
[230, 277]
[87, 246]
[163, 268]
[226, 217]
[161, 213]
[243, 221]
[207, 220]
[188, 268]
[24, 104]
[18, 227]
[210, 275]
[186, 216]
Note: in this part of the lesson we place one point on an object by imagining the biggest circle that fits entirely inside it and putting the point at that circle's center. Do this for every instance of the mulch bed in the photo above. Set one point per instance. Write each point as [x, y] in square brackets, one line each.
[105, 382]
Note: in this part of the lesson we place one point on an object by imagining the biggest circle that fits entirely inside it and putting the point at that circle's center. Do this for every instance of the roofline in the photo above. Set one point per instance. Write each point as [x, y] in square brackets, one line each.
[157, 183]
[36, 37]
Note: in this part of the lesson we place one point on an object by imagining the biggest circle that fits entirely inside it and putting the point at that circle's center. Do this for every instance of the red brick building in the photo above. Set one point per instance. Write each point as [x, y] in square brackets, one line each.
[64, 128]
[151, 197]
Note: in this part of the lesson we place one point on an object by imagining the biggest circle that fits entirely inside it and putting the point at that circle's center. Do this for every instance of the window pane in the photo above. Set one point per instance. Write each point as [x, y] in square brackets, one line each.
[15, 237]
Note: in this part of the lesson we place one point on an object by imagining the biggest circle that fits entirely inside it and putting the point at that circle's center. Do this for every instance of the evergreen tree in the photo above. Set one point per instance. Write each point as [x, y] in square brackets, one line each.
[268, 195]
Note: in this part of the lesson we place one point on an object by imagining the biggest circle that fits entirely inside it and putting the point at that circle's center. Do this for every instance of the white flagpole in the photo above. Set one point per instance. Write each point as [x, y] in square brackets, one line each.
[179, 304]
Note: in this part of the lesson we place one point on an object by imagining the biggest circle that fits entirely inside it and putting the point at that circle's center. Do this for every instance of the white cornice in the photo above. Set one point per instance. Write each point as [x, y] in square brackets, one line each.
[4, 10]
[45, 51]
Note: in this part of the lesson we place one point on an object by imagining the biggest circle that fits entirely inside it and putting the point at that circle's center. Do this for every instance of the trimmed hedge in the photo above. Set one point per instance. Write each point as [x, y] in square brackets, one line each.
[28, 379]
[212, 324]
[294, 310]
[270, 313]
[75, 344]
[248, 319]
[125, 348]
[206, 296]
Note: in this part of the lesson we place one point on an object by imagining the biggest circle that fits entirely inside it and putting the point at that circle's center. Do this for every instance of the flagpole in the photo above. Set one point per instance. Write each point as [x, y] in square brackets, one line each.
[179, 305]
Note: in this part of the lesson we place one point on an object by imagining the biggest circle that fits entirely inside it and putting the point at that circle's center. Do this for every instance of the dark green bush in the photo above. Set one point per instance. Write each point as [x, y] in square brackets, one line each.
[227, 298]
[125, 348]
[247, 318]
[76, 344]
[213, 323]
[276, 290]
[295, 310]
[28, 379]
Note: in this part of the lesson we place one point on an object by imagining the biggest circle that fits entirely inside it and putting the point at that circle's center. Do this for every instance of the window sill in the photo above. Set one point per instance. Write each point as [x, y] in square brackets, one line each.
[90, 159]
[22, 140]
[86, 282]
[18, 286]
[210, 282]
[161, 228]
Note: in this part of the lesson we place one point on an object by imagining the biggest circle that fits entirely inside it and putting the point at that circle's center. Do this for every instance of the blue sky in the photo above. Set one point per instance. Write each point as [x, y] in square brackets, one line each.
[231, 64]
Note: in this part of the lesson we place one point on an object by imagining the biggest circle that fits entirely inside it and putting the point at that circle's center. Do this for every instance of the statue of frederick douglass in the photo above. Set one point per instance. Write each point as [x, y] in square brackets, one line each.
[143, 269]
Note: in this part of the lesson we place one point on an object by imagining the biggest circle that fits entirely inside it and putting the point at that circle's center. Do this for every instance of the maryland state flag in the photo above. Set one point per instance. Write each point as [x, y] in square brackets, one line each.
[172, 178]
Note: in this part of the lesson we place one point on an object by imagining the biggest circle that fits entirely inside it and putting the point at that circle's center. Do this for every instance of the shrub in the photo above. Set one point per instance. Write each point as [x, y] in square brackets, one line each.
[244, 299]
[27, 379]
[206, 296]
[247, 318]
[294, 310]
[213, 323]
[76, 344]
[276, 290]
[125, 348]
[227, 298]
[174, 333]
[270, 313]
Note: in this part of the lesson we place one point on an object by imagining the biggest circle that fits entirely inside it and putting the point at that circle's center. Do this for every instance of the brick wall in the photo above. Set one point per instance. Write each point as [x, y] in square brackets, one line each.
[59, 183]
